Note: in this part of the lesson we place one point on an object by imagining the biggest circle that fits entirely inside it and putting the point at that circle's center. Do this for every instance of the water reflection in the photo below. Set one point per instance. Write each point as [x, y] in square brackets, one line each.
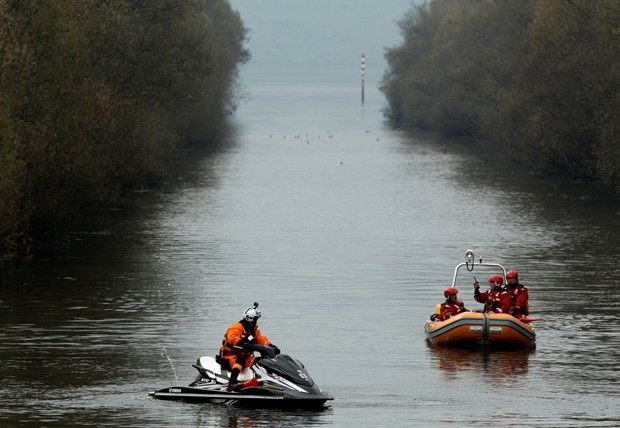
[221, 416]
[350, 238]
[498, 366]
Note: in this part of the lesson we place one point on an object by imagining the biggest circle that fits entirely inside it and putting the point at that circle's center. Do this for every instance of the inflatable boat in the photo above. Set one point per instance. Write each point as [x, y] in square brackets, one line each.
[474, 328]
[478, 328]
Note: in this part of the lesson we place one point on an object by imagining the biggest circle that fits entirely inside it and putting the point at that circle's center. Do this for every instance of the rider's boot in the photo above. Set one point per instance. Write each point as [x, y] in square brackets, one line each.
[232, 382]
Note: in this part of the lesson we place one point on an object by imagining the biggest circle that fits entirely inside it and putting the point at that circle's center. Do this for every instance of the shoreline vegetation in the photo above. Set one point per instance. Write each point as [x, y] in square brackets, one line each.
[534, 81]
[98, 97]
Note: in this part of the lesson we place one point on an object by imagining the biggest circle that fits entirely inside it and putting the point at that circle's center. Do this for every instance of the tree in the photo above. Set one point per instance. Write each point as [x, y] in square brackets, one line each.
[538, 79]
[457, 59]
[98, 95]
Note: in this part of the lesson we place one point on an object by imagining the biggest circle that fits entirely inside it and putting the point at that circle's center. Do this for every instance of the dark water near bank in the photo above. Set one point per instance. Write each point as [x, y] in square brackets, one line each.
[346, 232]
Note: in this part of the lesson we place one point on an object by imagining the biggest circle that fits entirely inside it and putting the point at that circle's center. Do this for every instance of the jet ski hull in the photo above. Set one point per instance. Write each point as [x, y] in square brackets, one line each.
[255, 397]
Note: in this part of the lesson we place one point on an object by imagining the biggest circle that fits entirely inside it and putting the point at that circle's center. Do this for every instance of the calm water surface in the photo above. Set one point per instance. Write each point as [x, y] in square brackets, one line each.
[346, 232]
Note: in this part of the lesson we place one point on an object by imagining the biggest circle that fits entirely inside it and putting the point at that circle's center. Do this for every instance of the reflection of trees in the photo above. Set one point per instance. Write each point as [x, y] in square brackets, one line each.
[498, 365]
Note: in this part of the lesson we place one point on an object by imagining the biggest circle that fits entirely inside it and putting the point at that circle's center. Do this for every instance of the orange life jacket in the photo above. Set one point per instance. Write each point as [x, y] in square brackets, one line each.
[237, 332]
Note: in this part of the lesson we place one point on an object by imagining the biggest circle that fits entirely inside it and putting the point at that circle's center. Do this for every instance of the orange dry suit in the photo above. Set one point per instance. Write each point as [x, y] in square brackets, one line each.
[238, 334]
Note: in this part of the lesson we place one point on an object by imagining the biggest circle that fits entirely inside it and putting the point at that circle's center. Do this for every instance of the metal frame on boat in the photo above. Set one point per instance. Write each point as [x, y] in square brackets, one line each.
[479, 328]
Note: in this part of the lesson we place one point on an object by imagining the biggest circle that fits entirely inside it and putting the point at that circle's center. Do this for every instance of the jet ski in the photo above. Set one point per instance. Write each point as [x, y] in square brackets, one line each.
[273, 381]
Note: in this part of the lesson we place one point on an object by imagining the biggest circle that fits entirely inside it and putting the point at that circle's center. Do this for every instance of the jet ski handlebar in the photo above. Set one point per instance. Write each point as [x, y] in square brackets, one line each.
[265, 351]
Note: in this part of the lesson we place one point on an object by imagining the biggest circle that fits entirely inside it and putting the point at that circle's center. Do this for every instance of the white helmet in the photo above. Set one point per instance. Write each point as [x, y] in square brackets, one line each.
[252, 314]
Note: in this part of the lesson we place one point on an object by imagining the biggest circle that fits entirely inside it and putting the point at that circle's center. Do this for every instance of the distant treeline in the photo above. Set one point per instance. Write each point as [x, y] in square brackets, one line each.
[96, 96]
[538, 79]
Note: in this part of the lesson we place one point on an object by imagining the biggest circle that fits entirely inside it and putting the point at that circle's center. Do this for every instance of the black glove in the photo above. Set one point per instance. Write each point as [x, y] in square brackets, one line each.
[247, 345]
[276, 350]
[266, 351]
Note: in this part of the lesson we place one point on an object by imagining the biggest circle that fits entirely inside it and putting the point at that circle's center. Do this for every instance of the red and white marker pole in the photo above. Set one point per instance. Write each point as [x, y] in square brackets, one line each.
[363, 75]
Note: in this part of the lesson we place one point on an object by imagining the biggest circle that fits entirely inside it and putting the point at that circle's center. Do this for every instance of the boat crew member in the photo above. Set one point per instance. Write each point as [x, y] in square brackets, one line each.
[518, 294]
[237, 351]
[495, 299]
[452, 306]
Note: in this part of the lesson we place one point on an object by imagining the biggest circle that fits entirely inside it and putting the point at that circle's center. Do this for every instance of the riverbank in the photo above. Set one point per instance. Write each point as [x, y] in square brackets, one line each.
[536, 81]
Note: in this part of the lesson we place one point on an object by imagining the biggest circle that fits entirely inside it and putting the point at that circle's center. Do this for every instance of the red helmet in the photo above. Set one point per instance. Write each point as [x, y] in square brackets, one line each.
[450, 291]
[497, 279]
[512, 274]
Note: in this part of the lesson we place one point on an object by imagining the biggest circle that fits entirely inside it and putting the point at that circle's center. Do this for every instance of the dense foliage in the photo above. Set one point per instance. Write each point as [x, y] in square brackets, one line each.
[95, 96]
[538, 78]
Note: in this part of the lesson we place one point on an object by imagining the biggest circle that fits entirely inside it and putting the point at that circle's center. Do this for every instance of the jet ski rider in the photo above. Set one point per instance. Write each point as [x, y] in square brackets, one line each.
[238, 345]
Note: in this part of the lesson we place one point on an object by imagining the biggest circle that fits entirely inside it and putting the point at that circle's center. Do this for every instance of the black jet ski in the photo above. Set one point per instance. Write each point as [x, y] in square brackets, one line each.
[272, 381]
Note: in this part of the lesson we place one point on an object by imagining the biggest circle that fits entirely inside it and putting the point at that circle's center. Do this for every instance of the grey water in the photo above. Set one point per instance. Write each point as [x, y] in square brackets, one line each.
[346, 232]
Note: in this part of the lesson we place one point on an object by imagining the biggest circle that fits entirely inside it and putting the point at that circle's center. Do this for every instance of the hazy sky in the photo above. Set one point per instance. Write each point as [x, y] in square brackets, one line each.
[326, 32]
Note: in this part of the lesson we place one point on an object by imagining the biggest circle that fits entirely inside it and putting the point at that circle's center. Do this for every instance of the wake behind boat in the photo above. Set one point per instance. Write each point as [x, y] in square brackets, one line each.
[278, 382]
[480, 328]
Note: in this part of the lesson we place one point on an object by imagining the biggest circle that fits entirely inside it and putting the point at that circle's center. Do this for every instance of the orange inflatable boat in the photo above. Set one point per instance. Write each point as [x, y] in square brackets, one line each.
[477, 327]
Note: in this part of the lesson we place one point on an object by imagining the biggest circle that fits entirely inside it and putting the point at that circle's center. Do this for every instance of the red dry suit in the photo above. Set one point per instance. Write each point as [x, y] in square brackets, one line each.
[448, 309]
[237, 334]
[497, 300]
[519, 306]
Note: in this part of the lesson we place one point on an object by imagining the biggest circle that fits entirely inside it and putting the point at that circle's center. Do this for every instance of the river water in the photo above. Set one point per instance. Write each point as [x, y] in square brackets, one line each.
[346, 232]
